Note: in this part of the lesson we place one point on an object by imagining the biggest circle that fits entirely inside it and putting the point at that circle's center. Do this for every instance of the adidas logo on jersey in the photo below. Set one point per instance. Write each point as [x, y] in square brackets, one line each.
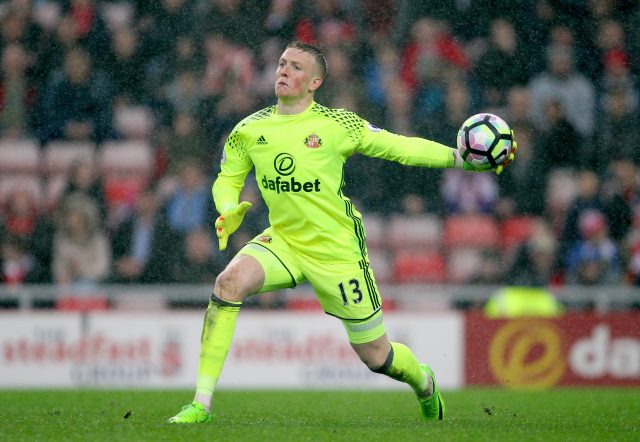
[262, 140]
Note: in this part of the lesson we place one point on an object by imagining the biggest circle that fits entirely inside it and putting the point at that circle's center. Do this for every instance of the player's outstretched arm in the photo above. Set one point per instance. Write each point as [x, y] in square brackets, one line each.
[229, 221]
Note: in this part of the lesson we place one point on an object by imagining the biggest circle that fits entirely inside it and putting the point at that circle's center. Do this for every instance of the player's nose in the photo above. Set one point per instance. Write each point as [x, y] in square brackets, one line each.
[284, 70]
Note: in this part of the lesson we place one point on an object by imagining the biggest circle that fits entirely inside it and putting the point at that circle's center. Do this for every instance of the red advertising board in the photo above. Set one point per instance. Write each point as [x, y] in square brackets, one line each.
[575, 349]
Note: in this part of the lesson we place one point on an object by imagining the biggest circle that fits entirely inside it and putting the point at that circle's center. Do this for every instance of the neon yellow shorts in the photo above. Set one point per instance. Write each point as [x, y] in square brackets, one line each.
[347, 291]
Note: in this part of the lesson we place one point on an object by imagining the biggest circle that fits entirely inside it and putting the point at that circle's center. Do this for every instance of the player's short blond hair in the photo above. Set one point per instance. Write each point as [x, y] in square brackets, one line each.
[319, 57]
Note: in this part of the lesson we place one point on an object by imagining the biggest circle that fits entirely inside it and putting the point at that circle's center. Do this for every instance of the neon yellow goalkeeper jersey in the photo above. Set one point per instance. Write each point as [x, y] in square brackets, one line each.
[299, 161]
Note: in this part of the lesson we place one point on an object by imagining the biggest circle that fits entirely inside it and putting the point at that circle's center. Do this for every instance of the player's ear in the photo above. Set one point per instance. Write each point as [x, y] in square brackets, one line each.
[315, 83]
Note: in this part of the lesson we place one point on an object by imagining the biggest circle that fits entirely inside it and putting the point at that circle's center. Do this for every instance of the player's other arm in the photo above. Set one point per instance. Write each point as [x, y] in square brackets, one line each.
[234, 167]
[412, 151]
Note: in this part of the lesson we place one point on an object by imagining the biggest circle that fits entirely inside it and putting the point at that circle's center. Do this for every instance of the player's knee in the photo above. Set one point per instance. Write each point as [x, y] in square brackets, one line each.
[228, 286]
[237, 282]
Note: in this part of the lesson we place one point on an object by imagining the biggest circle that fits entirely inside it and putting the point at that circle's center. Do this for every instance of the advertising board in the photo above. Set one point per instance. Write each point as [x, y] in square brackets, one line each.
[160, 350]
[578, 348]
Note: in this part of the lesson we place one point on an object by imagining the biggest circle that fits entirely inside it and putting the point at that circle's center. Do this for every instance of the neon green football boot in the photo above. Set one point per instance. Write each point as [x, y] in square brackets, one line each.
[432, 407]
[193, 413]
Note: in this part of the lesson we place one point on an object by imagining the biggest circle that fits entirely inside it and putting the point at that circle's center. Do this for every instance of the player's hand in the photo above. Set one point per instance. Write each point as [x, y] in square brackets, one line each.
[229, 221]
[476, 168]
[512, 155]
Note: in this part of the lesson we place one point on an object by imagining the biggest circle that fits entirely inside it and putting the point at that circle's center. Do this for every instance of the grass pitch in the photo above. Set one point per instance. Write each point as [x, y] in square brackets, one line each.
[472, 415]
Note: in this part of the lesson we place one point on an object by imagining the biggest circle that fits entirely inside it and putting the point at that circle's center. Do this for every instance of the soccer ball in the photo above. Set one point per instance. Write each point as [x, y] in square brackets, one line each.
[485, 140]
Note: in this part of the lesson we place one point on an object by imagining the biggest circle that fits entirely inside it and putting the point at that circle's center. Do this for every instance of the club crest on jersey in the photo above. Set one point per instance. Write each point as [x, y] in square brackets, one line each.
[313, 141]
[265, 239]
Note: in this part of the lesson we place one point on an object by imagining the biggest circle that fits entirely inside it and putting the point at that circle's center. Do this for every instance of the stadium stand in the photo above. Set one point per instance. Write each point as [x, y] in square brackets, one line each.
[19, 156]
[419, 266]
[463, 264]
[415, 232]
[59, 156]
[117, 158]
[381, 85]
[21, 182]
[133, 122]
[381, 263]
[470, 231]
[516, 230]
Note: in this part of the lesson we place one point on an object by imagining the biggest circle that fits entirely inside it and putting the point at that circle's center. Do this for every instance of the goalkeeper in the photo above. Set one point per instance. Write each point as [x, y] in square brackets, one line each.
[298, 149]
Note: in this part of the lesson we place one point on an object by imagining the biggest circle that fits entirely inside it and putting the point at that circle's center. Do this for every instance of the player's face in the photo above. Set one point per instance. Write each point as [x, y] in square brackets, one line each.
[296, 75]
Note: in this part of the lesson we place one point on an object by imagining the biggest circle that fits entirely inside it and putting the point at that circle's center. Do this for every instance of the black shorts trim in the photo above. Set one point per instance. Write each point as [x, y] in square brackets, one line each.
[351, 319]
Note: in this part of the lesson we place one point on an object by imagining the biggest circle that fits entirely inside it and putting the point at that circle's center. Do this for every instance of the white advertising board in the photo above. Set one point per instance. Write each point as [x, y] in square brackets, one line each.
[311, 350]
[269, 350]
[96, 350]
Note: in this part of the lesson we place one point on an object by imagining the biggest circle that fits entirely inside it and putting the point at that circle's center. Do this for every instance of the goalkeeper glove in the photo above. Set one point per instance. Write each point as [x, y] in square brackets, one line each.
[229, 221]
[500, 167]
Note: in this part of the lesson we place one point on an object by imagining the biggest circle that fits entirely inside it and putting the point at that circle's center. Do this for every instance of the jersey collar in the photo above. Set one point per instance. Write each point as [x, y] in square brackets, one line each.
[275, 111]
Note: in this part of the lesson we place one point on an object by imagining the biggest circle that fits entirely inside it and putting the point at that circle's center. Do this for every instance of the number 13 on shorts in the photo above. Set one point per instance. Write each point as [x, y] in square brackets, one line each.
[347, 291]
[355, 289]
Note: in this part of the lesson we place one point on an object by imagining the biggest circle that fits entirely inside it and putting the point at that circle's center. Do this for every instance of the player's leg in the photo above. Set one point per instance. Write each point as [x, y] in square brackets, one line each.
[349, 292]
[255, 269]
[393, 359]
[397, 361]
[243, 276]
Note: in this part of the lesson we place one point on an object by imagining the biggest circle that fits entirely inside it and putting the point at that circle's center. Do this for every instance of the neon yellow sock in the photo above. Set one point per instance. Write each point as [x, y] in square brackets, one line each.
[406, 368]
[217, 331]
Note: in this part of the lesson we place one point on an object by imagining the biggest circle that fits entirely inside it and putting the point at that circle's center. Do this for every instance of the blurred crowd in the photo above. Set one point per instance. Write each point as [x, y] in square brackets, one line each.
[563, 73]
